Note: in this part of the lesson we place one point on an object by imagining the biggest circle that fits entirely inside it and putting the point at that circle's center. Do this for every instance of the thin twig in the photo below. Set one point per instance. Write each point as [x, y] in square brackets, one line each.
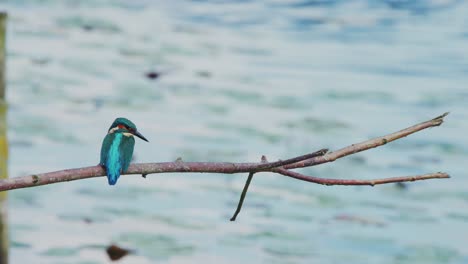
[325, 181]
[247, 184]
[268, 165]
[242, 197]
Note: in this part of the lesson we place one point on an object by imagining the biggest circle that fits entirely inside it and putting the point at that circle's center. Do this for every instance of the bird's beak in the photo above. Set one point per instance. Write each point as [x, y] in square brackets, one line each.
[136, 133]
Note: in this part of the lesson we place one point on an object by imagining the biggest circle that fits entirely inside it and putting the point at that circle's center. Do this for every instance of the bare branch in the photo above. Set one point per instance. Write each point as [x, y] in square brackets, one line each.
[280, 167]
[368, 144]
[145, 169]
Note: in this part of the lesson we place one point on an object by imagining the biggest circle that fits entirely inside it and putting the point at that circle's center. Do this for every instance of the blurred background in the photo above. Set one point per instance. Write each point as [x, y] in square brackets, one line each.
[231, 81]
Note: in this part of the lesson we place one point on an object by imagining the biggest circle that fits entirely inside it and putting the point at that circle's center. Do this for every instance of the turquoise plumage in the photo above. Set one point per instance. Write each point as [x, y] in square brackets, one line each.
[117, 148]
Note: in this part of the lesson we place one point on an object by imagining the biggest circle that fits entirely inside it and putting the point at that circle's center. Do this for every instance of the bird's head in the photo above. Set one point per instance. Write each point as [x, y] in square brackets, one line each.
[125, 126]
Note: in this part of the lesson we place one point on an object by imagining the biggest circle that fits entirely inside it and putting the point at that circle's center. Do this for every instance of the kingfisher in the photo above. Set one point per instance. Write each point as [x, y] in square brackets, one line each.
[117, 148]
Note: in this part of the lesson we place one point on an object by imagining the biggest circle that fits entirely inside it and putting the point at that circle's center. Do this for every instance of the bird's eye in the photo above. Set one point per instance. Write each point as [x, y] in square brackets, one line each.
[121, 126]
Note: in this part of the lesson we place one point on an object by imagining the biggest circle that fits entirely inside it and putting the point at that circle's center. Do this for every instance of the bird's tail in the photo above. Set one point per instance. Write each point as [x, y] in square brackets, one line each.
[112, 177]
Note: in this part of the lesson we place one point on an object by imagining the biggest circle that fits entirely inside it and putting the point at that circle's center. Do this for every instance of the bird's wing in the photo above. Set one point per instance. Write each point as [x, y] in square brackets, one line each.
[126, 151]
[106, 144]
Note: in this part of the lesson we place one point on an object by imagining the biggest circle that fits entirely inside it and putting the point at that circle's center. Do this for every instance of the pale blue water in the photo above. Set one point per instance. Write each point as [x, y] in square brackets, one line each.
[240, 79]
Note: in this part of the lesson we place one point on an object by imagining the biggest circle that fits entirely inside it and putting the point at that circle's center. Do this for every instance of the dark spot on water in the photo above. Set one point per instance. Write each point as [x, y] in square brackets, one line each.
[308, 22]
[22, 245]
[204, 74]
[87, 27]
[152, 75]
[87, 220]
[401, 185]
[40, 61]
[21, 143]
[386, 22]
[314, 3]
[115, 252]
[60, 252]
[358, 159]
[358, 220]
[425, 159]
[35, 179]
[98, 102]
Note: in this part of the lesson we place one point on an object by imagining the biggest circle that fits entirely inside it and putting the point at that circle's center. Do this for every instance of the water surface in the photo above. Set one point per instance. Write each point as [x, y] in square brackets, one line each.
[239, 79]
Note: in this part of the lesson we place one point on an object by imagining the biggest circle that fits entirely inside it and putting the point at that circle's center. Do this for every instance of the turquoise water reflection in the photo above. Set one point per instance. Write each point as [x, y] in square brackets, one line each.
[239, 80]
